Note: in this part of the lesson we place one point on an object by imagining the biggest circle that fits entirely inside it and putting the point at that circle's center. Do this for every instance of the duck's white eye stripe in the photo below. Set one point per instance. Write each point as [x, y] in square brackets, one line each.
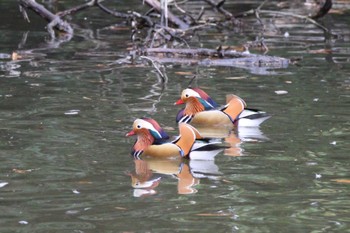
[190, 92]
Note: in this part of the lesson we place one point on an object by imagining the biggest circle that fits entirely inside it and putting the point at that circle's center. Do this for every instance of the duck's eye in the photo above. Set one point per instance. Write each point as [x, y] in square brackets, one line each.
[138, 126]
[187, 95]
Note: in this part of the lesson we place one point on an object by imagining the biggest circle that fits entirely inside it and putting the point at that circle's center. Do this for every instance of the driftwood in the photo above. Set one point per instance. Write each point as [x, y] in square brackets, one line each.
[198, 52]
[259, 64]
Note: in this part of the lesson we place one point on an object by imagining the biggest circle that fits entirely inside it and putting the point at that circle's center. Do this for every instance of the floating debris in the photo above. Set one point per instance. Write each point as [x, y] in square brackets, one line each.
[36, 84]
[72, 212]
[23, 222]
[343, 181]
[22, 171]
[3, 184]
[75, 191]
[120, 208]
[72, 112]
[236, 78]
[281, 92]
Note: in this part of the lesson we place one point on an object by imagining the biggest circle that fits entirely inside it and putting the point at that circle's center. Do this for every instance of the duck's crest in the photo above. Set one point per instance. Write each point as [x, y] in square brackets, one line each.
[205, 96]
[160, 134]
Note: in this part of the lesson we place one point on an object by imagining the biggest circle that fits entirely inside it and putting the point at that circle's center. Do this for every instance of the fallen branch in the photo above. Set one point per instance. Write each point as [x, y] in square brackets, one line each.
[54, 20]
[78, 8]
[323, 10]
[219, 7]
[171, 17]
[125, 15]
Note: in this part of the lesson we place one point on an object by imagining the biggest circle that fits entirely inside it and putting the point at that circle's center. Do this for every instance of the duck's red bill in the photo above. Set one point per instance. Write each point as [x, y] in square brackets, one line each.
[131, 133]
[180, 101]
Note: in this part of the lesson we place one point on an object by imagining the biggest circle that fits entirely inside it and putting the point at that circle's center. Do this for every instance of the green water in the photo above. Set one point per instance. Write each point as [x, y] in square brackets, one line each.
[65, 108]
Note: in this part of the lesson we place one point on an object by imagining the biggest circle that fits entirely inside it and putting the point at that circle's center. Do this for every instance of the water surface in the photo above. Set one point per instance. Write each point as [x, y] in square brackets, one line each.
[65, 108]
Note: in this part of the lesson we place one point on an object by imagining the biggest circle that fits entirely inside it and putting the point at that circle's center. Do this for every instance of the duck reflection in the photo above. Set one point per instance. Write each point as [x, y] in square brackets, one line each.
[234, 148]
[142, 179]
[233, 138]
[149, 171]
[243, 133]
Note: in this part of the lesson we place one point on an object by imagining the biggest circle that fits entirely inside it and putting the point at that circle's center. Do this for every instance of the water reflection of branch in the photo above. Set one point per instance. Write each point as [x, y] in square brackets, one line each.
[154, 92]
[156, 65]
[52, 43]
[161, 84]
[41, 50]
[30, 54]
[24, 40]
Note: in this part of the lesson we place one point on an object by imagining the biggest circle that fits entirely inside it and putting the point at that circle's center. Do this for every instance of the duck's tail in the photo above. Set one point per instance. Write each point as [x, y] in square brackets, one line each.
[252, 118]
[235, 105]
[187, 137]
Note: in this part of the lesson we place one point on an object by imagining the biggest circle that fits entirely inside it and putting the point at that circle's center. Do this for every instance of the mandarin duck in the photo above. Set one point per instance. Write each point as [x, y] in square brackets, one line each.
[152, 140]
[201, 109]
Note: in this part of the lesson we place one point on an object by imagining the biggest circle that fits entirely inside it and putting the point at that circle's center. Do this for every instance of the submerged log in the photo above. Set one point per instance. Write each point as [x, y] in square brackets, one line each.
[256, 63]
[197, 52]
[213, 54]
